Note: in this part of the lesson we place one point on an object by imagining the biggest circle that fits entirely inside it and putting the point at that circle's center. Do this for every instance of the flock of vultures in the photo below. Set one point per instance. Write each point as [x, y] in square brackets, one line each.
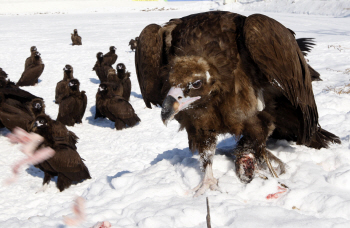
[214, 72]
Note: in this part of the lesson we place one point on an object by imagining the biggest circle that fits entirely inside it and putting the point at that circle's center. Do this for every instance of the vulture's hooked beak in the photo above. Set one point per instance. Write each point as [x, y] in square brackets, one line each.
[174, 102]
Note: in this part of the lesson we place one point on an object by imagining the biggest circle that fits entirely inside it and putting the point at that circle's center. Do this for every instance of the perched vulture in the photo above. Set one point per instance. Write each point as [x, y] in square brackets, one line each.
[3, 73]
[133, 43]
[76, 39]
[228, 73]
[100, 68]
[115, 108]
[18, 108]
[32, 73]
[72, 107]
[29, 60]
[62, 89]
[110, 58]
[66, 163]
[305, 45]
[114, 82]
[124, 76]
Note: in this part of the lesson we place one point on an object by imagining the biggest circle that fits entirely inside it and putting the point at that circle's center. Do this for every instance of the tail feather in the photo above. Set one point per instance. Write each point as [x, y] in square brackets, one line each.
[322, 139]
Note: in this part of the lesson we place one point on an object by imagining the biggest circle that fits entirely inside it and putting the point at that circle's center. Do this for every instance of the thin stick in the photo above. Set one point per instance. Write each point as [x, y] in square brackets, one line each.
[208, 214]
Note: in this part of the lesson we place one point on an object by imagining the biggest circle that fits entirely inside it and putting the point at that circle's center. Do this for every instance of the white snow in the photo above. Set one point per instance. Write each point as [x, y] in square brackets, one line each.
[140, 175]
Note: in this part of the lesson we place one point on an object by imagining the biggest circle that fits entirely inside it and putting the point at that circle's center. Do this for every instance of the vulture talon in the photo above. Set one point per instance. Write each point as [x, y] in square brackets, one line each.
[208, 182]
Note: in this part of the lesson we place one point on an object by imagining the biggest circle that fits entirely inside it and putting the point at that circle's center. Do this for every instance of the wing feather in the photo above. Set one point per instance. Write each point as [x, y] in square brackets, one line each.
[275, 50]
[148, 61]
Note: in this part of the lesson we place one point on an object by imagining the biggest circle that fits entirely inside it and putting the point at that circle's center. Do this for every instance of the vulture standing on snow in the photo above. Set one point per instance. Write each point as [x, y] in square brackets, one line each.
[72, 107]
[66, 164]
[76, 39]
[3, 73]
[124, 77]
[115, 108]
[100, 68]
[32, 73]
[29, 60]
[110, 58]
[133, 43]
[62, 89]
[18, 108]
[228, 73]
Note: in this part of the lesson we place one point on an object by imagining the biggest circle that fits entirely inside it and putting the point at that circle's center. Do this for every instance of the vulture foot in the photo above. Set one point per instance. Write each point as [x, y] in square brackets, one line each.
[208, 182]
[42, 189]
[245, 165]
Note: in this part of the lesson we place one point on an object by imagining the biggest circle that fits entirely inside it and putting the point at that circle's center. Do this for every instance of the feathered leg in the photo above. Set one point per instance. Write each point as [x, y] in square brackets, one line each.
[251, 152]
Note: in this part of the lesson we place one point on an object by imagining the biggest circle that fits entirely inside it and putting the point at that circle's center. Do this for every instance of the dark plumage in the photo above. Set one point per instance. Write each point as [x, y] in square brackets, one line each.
[72, 107]
[305, 45]
[110, 58]
[29, 60]
[62, 89]
[32, 73]
[115, 108]
[18, 108]
[115, 82]
[66, 163]
[133, 43]
[228, 73]
[76, 39]
[3, 73]
[7, 83]
[124, 77]
[100, 68]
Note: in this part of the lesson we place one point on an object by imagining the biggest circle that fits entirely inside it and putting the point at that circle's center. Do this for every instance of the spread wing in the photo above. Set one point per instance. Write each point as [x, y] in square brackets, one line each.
[148, 62]
[275, 50]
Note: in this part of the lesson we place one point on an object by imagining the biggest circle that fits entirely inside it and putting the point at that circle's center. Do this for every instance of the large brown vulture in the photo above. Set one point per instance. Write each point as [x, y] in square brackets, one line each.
[72, 108]
[66, 163]
[228, 73]
[29, 60]
[76, 39]
[101, 68]
[62, 89]
[124, 76]
[110, 58]
[18, 108]
[32, 72]
[114, 107]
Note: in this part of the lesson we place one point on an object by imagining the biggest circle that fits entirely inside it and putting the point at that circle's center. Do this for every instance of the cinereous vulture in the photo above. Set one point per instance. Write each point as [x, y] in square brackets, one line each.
[32, 72]
[228, 73]
[29, 60]
[72, 107]
[66, 163]
[110, 58]
[114, 107]
[76, 39]
[62, 89]
[124, 76]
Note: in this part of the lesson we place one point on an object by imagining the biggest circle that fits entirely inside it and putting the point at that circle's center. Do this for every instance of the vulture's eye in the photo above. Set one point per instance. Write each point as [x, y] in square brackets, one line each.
[196, 85]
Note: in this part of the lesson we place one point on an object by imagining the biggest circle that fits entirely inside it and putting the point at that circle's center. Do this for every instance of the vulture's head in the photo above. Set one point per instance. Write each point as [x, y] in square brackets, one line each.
[191, 86]
[75, 31]
[3, 73]
[112, 48]
[68, 69]
[33, 48]
[38, 106]
[74, 84]
[37, 55]
[40, 124]
[99, 56]
[103, 88]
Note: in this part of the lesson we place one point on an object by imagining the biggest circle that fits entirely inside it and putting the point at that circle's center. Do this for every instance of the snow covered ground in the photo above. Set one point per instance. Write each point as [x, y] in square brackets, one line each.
[140, 175]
